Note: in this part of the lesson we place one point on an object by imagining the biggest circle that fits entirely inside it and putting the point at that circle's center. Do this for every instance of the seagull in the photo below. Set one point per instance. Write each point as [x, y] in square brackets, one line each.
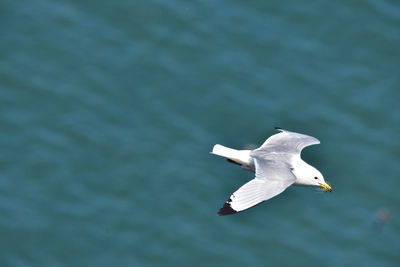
[277, 165]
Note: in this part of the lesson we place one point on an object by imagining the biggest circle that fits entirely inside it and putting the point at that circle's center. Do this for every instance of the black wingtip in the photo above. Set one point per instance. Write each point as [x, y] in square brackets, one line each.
[226, 209]
[277, 128]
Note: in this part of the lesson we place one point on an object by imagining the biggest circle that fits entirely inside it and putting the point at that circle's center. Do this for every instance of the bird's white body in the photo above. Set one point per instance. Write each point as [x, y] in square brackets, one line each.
[299, 167]
[277, 165]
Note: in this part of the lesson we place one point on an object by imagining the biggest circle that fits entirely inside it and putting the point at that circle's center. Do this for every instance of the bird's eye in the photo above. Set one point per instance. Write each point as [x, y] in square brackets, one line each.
[316, 178]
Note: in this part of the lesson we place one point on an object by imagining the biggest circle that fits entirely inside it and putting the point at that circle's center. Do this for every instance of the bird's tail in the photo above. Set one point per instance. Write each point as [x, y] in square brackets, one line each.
[240, 157]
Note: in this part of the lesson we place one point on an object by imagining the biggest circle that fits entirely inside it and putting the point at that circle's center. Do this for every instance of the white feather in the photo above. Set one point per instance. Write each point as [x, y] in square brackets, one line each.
[241, 157]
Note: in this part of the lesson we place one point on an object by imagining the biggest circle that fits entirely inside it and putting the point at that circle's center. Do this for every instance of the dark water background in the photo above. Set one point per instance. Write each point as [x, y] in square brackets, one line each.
[108, 111]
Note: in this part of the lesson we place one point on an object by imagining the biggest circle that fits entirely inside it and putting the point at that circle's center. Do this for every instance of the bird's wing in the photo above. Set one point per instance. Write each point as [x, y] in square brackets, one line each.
[284, 144]
[272, 178]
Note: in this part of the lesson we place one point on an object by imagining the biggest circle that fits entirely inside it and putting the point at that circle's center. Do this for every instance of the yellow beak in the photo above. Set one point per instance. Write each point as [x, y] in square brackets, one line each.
[326, 187]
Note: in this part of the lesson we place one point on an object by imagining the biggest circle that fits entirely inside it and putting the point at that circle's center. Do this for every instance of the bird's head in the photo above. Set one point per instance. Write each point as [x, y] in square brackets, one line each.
[318, 179]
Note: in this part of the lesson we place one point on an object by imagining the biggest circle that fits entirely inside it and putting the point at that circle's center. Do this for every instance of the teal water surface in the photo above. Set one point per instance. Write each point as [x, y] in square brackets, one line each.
[109, 111]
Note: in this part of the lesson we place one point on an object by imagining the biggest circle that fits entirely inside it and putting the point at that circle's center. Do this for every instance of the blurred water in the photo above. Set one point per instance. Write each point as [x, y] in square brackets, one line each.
[109, 110]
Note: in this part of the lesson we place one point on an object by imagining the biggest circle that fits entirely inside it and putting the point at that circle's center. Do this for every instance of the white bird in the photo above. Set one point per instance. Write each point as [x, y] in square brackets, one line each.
[277, 165]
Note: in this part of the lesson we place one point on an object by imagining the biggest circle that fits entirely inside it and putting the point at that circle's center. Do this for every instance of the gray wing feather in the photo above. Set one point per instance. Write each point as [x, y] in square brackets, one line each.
[284, 143]
[273, 170]
[272, 178]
